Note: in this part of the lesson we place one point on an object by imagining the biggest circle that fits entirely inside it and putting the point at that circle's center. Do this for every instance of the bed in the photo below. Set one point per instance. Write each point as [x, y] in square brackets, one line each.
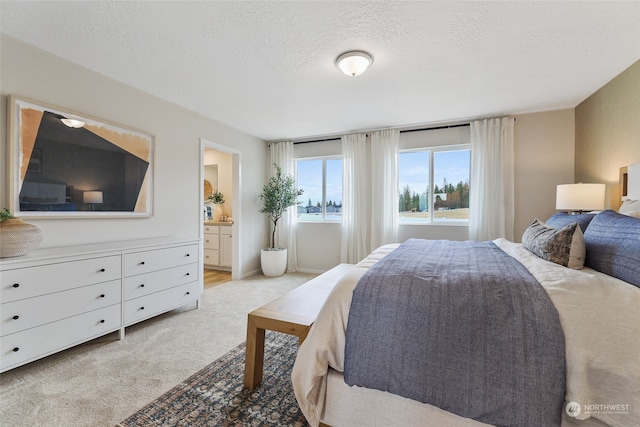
[598, 308]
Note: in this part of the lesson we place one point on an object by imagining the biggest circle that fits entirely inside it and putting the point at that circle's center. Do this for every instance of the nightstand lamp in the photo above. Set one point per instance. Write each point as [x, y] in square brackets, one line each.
[579, 198]
[92, 197]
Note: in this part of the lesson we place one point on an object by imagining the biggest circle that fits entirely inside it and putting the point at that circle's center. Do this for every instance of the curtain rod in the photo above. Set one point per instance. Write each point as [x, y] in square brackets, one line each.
[402, 131]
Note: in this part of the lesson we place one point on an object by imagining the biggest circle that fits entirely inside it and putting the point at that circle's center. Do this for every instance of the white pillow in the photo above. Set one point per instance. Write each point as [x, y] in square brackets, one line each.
[630, 208]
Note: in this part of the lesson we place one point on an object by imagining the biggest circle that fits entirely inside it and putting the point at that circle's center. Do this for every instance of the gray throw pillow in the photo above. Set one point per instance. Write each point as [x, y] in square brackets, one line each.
[564, 246]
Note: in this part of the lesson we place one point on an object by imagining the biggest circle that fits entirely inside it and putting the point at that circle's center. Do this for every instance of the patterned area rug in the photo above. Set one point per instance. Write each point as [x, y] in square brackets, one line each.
[215, 396]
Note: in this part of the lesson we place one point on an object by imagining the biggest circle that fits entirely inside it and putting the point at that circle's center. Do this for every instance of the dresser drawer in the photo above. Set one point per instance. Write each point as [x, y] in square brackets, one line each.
[144, 284]
[139, 309]
[211, 229]
[28, 313]
[45, 279]
[159, 259]
[31, 344]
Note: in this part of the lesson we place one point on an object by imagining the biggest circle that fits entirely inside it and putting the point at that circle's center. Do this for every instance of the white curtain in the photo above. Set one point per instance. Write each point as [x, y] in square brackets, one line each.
[282, 155]
[355, 192]
[492, 188]
[384, 187]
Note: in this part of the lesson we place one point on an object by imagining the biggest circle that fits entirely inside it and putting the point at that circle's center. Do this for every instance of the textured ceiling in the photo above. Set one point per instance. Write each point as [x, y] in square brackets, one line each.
[268, 69]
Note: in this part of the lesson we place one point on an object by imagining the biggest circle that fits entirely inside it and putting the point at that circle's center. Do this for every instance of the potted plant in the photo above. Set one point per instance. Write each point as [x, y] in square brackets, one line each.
[17, 237]
[217, 199]
[278, 194]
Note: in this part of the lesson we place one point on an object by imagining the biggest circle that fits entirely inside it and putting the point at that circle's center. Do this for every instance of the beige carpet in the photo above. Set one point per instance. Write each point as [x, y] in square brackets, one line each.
[102, 382]
[216, 396]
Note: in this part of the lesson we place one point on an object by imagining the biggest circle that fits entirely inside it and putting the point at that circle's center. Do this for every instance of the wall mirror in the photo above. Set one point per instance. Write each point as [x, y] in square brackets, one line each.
[63, 164]
[210, 178]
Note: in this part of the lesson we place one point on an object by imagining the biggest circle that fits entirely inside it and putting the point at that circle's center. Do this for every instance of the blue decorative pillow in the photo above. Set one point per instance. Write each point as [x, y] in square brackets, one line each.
[562, 219]
[613, 246]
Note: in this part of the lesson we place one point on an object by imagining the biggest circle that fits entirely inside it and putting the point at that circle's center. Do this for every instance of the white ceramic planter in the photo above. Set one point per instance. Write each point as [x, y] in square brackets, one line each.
[273, 262]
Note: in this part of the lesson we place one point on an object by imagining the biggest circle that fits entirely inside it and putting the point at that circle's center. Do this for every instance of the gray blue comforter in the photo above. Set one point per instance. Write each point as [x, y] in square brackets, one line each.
[462, 326]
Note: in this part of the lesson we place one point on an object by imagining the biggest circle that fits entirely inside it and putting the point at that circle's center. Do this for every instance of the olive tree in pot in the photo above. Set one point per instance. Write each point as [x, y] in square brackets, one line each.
[278, 194]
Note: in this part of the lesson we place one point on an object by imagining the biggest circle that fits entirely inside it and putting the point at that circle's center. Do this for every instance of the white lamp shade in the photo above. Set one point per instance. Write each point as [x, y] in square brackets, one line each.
[92, 197]
[354, 63]
[580, 197]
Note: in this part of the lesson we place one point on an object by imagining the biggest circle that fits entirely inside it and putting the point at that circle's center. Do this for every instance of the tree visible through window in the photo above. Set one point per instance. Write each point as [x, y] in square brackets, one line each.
[321, 180]
[434, 185]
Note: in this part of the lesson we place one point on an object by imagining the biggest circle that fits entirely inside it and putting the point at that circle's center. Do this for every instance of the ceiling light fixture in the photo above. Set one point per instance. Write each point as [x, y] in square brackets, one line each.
[73, 123]
[354, 63]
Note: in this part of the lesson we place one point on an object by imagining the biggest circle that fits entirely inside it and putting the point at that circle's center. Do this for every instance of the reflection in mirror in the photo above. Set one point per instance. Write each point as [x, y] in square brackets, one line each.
[211, 175]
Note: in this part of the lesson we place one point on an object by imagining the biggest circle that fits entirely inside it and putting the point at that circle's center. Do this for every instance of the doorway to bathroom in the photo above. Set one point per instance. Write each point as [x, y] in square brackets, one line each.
[221, 215]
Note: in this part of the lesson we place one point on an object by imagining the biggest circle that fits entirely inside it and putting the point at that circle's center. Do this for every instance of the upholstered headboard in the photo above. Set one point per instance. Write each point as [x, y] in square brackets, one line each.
[630, 182]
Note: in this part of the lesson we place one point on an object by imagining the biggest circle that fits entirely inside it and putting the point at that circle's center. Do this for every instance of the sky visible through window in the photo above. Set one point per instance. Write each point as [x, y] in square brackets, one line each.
[414, 169]
[309, 176]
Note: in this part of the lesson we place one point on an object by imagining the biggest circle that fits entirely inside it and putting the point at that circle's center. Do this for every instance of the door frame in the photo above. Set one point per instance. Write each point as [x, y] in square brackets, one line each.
[236, 261]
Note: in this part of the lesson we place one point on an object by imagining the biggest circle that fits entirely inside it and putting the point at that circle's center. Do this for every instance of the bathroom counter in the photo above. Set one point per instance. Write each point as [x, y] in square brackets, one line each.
[210, 222]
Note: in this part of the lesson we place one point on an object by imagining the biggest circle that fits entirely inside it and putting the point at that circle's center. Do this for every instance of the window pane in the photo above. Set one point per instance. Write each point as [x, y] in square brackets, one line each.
[334, 189]
[309, 178]
[451, 184]
[413, 179]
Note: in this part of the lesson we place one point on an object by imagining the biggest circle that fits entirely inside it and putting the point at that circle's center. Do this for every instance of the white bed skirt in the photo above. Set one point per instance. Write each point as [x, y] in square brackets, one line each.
[357, 406]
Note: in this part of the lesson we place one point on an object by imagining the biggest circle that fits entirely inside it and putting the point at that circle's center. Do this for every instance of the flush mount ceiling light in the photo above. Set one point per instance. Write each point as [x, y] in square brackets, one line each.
[73, 123]
[354, 63]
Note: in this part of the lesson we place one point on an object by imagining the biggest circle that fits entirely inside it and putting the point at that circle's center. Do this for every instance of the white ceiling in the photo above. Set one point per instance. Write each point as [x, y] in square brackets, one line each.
[268, 69]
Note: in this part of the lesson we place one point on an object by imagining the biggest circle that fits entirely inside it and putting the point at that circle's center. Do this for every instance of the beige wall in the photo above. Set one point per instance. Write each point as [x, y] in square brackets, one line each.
[544, 158]
[608, 132]
[33, 73]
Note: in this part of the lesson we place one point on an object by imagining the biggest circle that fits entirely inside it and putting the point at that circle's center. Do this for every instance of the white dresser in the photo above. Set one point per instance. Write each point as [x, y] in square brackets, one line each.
[55, 298]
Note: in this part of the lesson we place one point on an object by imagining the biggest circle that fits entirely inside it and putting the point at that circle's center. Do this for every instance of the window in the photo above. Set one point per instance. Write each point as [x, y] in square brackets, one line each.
[440, 172]
[321, 180]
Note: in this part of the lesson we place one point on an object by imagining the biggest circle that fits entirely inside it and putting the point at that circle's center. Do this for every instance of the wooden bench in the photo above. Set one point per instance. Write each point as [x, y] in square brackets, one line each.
[293, 313]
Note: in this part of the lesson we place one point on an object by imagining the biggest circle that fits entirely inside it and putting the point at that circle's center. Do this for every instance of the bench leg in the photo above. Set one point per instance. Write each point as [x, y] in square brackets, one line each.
[254, 359]
[303, 335]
